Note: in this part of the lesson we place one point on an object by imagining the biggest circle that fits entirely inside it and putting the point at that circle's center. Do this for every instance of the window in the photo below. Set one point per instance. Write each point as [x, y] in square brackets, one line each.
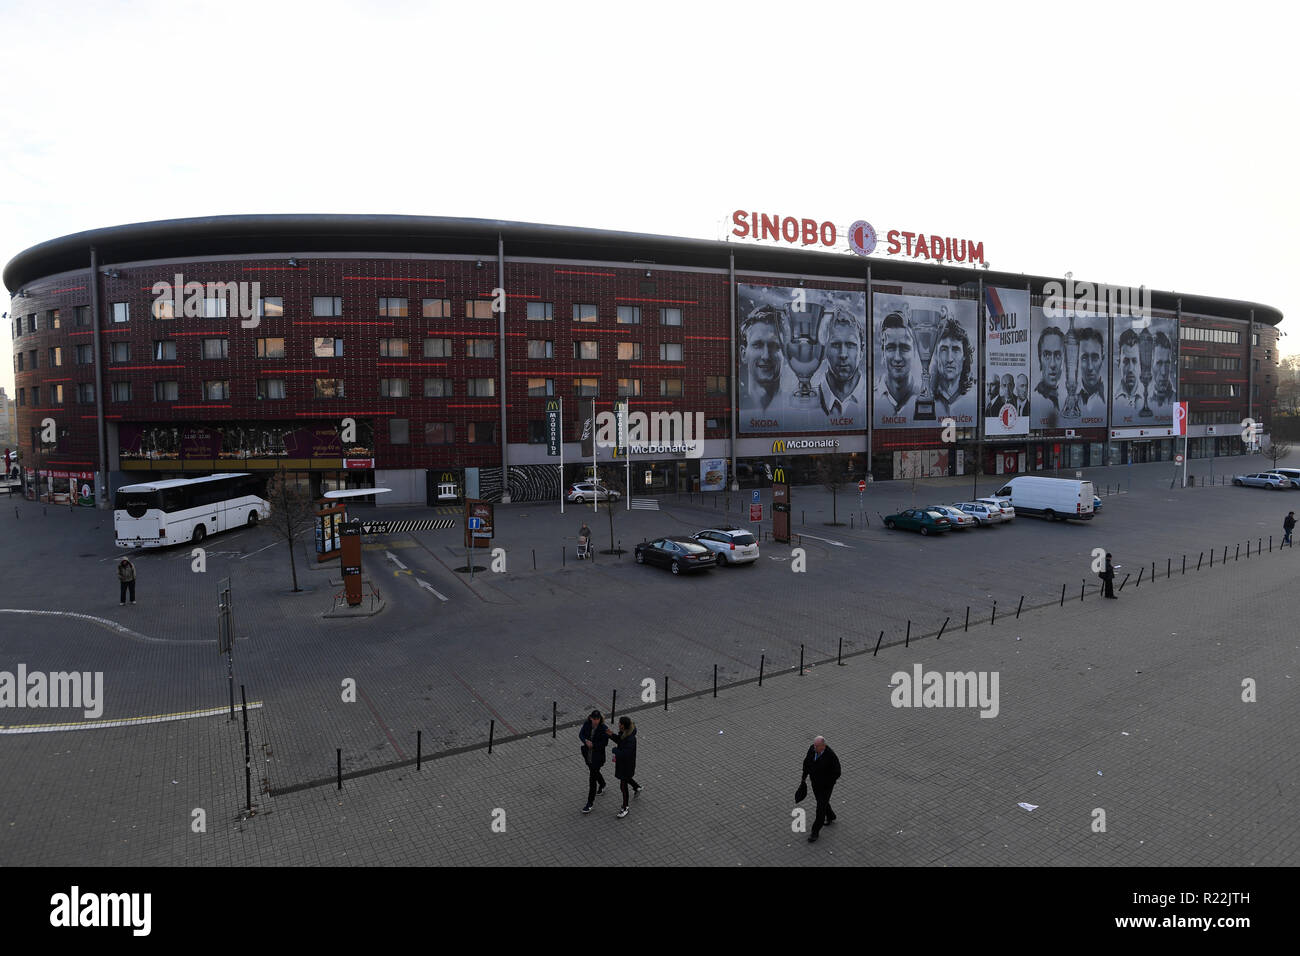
[584, 312]
[56, 357]
[478, 309]
[327, 347]
[670, 316]
[482, 433]
[121, 313]
[541, 311]
[480, 348]
[164, 350]
[715, 384]
[216, 390]
[121, 392]
[271, 307]
[36, 395]
[1256, 365]
[670, 352]
[1256, 339]
[327, 306]
[670, 387]
[629, 387]
[270, 388]
[586, 387]
[85, 355]
[394, 388]
[86, 392]
[270, 348]
[537, 432]
[629, 315]
[329, 388]
[22, 397]
[163, 309]
[394, 348]
[586, 350]
[438, 388]
[392, 308]
[31, 359]
[56, 395]
[437, 348]
[399, 429]
[482, 387]
[541, 387]
[55, 319]
[215, 348]
[436, 309]
[541, 349]
[121, 353]
[439, 433]
[20, 361]
[81, 314]
[165, 391]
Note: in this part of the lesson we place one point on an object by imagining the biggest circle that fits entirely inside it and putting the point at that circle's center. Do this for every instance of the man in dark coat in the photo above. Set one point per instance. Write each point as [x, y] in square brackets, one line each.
[1108, 578]
[822, 767]
[594, 736]
[1288, 525]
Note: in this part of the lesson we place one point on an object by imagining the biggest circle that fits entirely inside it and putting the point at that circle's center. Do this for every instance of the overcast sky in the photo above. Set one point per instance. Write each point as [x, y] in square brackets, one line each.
[1128, 143]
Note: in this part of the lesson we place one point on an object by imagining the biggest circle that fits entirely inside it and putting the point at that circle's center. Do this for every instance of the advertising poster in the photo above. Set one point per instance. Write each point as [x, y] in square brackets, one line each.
[1006, 362]
[802, 360]
[713, 474]
[1070, 362]
[925, 355]
[1145, 372]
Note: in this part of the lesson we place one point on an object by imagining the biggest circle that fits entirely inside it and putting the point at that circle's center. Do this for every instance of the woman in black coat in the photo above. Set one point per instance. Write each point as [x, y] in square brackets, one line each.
[625, 759]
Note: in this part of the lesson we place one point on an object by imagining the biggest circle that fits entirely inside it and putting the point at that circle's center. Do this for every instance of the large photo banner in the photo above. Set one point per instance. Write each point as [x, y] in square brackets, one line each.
[802, 360]
[925, 358]
[1070, 370]
[1007, 344]
[1145, 372]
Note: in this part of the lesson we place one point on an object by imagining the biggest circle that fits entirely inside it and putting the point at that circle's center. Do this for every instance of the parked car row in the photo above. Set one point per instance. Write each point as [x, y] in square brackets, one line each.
[1269, 479]
[933, 519]
[712, 547]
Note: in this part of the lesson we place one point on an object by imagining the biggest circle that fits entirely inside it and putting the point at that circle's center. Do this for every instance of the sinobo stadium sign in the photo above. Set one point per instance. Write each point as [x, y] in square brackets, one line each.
[861, 237]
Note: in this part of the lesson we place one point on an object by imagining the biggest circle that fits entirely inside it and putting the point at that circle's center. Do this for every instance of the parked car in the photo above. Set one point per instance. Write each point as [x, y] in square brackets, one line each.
[1265, 479]
[584, 491]
[679, 555]
[959, 519]
[1003, 504]
[729, 545]
[1292, 474]
[918, 519]
[984, 514]
[1096, 504]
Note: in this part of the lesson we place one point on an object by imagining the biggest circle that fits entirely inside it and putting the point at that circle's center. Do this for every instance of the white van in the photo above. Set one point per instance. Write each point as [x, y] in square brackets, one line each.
[1054, 498]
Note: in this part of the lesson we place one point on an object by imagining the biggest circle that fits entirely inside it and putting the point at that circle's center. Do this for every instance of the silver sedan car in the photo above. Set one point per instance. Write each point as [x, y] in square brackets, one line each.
[985, 514]
[959, 519]
[1265, 479]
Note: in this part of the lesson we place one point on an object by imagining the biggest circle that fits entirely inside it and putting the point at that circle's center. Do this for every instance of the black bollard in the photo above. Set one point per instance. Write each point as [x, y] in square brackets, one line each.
[1225, 553]
[1142, 569]
[1019, 606]
[1270, 544]
[1082, 590]
[839, 655]
[339, 754]
[1169, 563]
[715, 680]
[1184, 564]
[1235, 557]
[761, 660]
[554, 714]
[941, 628]
[612, 701]
[801, 660]
[908, 639]
[1247, 549]
[1211, 557]
[1202, 558]
[1062, 595]
[966, 626]
[534, 559]
[1124, 582]
[492, 731]
[665, 692]
[994, 619]
[878, 640]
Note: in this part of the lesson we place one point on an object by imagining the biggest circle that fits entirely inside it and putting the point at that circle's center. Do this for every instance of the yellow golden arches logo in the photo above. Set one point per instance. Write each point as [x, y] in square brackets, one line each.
[778, 476]
[446, 476]
[778, 446]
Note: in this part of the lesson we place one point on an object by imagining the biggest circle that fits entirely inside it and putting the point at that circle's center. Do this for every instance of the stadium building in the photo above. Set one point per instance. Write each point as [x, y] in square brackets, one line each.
[422, 354]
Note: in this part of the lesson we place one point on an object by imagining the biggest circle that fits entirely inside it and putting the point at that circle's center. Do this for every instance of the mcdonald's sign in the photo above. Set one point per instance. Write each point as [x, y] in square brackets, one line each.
[778, 476]
[781, 445]
[778, 446]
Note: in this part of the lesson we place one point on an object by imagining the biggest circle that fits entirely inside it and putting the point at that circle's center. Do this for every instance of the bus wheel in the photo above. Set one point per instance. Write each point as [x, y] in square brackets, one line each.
[200, 532]
[252, 519]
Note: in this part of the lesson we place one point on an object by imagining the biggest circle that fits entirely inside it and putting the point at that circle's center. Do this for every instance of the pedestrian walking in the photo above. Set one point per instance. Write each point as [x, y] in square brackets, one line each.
[594, 736]
[625, 760]
[1288, 525]
[126, 580]
[822, 767]
[1108, 577]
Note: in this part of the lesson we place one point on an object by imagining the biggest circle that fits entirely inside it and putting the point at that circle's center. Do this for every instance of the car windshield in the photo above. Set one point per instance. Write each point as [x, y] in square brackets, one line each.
[691, 547]
[934, 514]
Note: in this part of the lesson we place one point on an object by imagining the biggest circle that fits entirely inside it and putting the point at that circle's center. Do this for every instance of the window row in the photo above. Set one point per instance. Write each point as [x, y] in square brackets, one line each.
[1222, 363]
[1210, 390]
[1191, 333]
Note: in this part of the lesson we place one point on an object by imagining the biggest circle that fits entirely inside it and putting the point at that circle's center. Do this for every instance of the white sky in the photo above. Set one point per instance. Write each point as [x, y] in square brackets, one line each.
[1130, 143]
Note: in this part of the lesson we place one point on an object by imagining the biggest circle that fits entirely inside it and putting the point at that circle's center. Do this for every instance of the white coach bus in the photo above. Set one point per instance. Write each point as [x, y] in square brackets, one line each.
[159, 513]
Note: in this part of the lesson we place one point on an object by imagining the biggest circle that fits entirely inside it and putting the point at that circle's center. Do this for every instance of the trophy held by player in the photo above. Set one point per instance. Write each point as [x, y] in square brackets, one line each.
[924, 325]
[1070, 408]
[804, 351]
[1146, 348]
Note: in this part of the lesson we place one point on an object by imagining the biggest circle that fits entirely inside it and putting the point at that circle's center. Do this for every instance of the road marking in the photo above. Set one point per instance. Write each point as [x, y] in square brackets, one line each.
[392, 557]
[429, 587]
[102, 622]
[259, 550]
[838, 544]
[123, 722]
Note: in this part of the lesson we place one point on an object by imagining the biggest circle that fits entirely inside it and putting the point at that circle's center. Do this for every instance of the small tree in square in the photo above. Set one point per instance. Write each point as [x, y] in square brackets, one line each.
[293, 513]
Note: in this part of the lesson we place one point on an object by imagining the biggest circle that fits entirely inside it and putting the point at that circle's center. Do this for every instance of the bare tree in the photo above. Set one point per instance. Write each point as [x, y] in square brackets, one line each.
[1278, 448]
[293, 512]
[832, 472]
[612, 481]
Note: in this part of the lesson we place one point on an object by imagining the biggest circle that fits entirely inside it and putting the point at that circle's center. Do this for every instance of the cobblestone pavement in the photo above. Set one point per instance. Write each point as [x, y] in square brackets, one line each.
[1133, 707]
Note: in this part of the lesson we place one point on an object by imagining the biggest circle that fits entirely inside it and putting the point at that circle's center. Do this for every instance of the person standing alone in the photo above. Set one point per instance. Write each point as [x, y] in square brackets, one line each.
[625, 760]
[823, 768]
[126, 580]
[594, 736]
[1288, 525]
[1108, 578]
